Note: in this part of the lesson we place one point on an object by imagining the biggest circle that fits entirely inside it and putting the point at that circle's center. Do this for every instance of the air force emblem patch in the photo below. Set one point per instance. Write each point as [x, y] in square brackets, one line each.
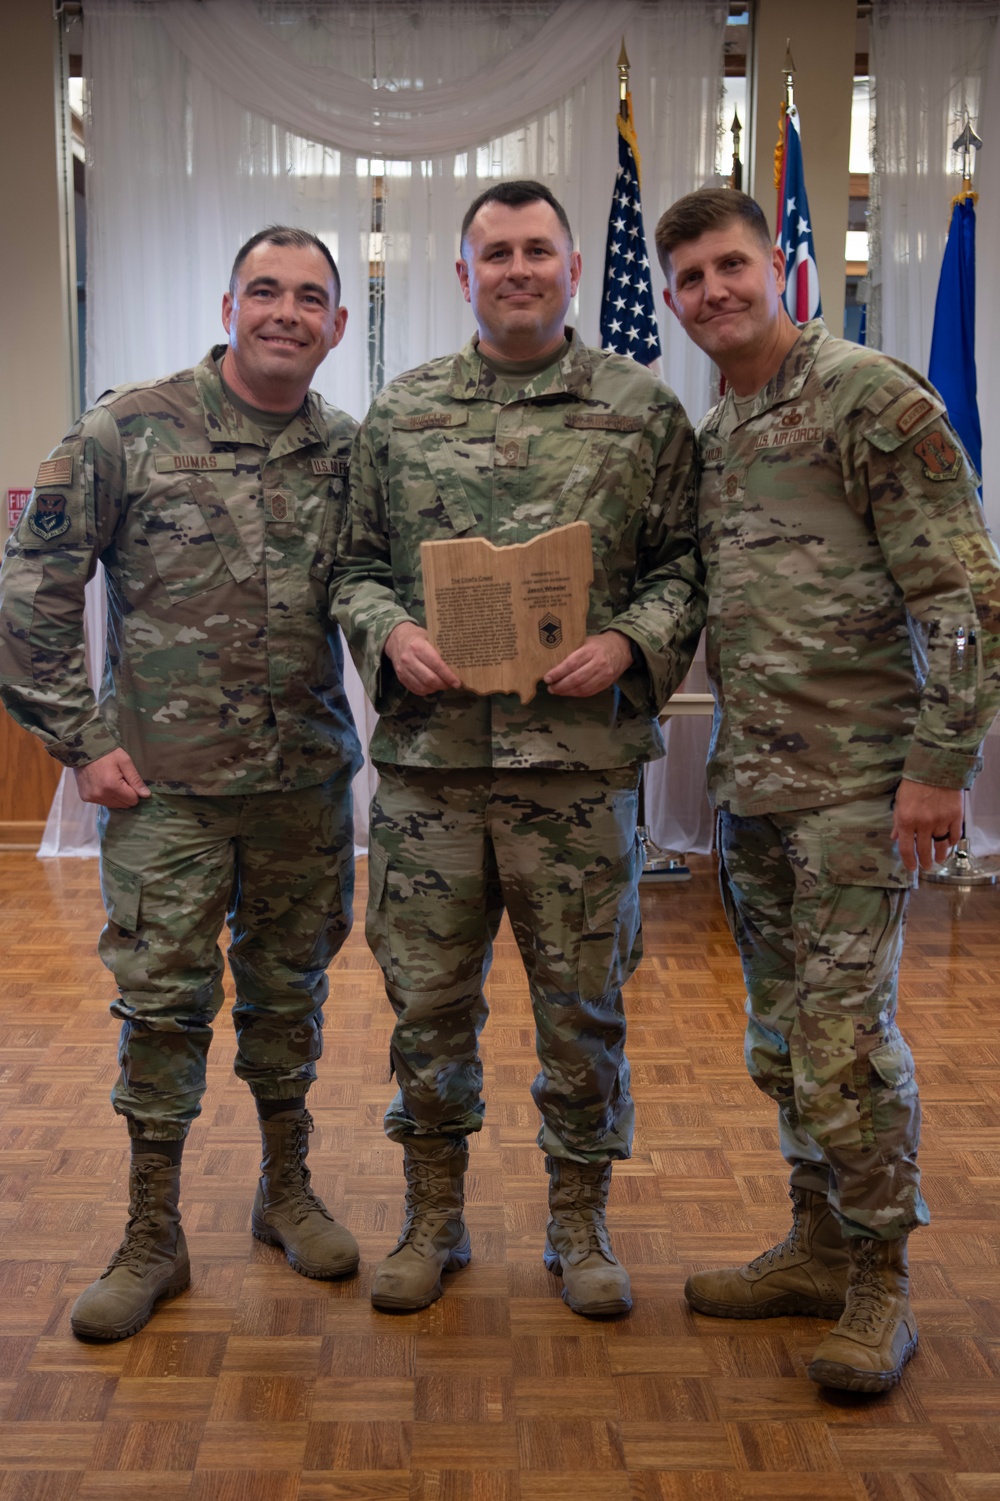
[47, 518]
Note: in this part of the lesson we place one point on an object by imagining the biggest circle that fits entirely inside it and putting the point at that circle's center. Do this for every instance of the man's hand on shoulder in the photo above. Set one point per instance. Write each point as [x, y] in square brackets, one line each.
[417, 665]
[594, 666]
[928, 820]
[112, 781]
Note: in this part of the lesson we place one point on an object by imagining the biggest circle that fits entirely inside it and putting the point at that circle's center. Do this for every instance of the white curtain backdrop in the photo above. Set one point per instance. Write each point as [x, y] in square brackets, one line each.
[208, 121]
[933, 61]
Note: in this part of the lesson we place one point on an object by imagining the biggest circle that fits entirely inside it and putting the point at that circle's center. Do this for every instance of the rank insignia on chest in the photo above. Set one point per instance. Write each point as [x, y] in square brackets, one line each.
[279, 506]
[48, 518]
[340, 467]
[940, 459]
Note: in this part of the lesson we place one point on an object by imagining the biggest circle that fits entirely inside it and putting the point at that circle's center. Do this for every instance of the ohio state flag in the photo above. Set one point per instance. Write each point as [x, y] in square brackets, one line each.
[795, 236]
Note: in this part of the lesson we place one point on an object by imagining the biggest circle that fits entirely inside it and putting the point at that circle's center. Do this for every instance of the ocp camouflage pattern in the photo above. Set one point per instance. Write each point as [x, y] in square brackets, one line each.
[816, 900]
[854, 592]
[452, 450]
[223, 671]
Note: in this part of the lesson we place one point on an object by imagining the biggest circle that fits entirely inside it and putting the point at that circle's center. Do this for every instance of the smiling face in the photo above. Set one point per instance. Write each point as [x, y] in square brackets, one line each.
[519, 272]
[282, 322]
[725, 289]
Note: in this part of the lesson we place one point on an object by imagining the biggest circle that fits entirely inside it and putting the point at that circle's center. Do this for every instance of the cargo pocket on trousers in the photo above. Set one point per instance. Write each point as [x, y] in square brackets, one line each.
[611, 941]
[857, 923]
[894, 1094]
[376, 917]
[121, 890]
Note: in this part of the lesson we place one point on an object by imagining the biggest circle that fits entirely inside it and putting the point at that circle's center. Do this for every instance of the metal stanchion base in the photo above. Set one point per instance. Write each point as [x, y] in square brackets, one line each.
[961, 869]
[660, 865]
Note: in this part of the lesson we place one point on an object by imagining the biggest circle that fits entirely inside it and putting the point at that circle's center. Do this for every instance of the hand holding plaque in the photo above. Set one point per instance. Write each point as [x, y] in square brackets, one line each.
[501, 617]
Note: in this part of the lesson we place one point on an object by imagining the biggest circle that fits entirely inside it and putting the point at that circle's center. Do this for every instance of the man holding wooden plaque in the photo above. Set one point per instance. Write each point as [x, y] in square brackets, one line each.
[509, 752]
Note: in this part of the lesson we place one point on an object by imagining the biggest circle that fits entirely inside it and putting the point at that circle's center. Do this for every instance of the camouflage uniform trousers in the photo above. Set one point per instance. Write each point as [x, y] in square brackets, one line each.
[449, 851]
[279, 866]
[816, 900]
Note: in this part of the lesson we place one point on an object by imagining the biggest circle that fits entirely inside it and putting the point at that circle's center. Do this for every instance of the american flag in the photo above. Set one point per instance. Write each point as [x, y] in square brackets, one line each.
[795, 236]
[628, 313]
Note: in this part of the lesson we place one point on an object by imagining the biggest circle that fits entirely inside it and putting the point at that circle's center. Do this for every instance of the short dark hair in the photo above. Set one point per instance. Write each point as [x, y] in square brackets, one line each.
[514, 195]
[709, 208]
[282, 235]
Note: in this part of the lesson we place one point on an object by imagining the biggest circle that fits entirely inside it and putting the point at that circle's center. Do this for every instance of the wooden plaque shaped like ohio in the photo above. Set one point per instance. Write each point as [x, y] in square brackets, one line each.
[501, 617]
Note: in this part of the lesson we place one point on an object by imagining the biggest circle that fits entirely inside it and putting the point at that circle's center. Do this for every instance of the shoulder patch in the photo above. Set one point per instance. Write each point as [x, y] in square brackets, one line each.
[55, 472]
[914, 413]
[940, 458]
[47, 517]
[421, 420]
[610, 422]
[331, 466]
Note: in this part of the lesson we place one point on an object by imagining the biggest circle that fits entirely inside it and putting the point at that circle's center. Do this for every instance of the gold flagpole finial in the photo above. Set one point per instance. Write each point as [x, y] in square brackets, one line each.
[789, 72]
[623, 71]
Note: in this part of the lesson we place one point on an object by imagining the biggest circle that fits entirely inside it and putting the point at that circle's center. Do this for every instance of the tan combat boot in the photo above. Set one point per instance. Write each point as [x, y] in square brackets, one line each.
[877, 1333]
[577, 1247]
[434, 1238]
[151, 1263]
[287, 1213]
[806, 1273]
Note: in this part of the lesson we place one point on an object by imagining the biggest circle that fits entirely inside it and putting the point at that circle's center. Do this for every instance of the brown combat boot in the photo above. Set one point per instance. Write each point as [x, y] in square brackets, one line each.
[877, 1333]
[577, 1247]
[151, 1263]
[287, 1213]
[434, 1238]
[806, 1273]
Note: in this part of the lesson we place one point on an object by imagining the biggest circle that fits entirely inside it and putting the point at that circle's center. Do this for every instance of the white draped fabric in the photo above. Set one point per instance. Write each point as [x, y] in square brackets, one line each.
[209, 120]
[933, 61]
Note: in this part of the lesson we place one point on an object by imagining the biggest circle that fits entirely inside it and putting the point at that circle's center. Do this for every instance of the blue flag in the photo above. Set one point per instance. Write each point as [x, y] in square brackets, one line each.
[795, 236]
[953, 342]
[628, 313]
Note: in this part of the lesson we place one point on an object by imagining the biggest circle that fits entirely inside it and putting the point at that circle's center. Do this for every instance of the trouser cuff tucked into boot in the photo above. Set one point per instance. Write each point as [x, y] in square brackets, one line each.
[434, 1238]
[150, 1264]
[804, 1274]
[877, 1333]
[287, 1213]
[577, 1247]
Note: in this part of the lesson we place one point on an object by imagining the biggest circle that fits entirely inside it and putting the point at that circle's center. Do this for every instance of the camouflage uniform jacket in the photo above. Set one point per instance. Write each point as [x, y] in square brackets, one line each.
[854, 591]
[223, 672]
[451, 450]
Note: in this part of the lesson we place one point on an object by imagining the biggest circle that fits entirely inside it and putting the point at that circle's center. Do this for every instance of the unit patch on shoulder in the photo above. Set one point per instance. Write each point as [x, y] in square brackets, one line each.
[55, 472]
[940, 458]
[917, 410]
[331, 466]
[47, 518]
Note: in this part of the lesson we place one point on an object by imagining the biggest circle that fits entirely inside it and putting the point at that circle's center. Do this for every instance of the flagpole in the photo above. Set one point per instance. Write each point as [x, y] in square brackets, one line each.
[962, 868]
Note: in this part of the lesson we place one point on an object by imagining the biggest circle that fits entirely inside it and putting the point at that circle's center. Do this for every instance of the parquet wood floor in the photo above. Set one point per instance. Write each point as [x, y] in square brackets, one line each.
[259, 1385]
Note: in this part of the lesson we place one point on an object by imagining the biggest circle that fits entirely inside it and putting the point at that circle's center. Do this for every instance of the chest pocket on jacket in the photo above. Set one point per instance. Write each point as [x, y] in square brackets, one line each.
[600, 486]
[420, 457]
[193, 539]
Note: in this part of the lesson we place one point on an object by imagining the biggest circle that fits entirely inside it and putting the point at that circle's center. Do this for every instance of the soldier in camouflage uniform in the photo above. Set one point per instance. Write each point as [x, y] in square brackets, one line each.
[853, 650]
[220, 748]
[486, 803]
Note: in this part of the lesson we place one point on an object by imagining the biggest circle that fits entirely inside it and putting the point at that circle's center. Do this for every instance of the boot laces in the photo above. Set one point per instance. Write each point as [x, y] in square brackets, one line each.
[866, 1294]
[786, 1247]
[296, 1179]
[583, 1218]
[140, 1232]
[429, 1205]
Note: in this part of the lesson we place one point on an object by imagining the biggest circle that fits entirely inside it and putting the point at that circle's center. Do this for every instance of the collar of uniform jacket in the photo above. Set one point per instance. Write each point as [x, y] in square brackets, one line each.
[224, 424]
[472, 380]
[792, 374]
